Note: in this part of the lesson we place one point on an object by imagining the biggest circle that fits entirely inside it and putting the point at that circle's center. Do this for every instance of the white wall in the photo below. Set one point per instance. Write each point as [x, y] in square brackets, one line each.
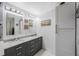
[48, 32]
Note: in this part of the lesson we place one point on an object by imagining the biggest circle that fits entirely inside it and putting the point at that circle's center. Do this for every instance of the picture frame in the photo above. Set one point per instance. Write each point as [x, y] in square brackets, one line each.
[46, 22]
[26, 24]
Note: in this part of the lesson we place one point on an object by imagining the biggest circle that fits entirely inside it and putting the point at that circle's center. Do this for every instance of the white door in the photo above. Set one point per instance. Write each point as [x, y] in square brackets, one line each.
[65, 30]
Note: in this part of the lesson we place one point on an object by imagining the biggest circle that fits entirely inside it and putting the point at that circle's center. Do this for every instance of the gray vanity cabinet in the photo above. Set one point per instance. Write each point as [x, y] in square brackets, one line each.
[29, 48]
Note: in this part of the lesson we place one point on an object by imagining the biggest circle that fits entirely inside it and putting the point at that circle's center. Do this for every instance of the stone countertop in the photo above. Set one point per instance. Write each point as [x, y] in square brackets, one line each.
[5, 45]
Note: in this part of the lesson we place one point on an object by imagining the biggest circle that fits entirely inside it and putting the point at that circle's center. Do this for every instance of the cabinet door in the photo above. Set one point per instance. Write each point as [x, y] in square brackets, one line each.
[27, 48]
[10, 51]
[39, 43]
[27, 51]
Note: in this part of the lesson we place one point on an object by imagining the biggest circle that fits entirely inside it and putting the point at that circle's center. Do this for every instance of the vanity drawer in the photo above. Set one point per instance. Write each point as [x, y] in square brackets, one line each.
[19, 54]
[32, 42]
[20, 49]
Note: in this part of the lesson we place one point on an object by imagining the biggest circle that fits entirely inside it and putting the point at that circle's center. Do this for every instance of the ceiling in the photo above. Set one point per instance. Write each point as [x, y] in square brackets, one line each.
[37, 8]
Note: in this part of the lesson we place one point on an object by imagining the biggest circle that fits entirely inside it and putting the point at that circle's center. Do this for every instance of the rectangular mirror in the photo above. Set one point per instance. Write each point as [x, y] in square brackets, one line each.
[10, 24]
[18, 24]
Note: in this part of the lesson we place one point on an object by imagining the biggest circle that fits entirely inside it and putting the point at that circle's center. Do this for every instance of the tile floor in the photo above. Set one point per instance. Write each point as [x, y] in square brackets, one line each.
[43, 53]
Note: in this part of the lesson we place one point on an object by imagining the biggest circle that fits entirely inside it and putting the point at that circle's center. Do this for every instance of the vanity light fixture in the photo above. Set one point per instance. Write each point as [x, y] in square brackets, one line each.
[13, 10]
[21, 13]
[7, 8]
[17, 11]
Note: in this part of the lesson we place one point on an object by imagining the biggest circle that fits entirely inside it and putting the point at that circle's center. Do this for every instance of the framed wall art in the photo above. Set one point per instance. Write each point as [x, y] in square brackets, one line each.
[26, 24]
[30, 23]
[46, 22]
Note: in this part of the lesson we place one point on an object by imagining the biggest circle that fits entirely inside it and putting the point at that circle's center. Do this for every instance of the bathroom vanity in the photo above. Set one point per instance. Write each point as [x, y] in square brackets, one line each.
[28, 48]
[22, 47]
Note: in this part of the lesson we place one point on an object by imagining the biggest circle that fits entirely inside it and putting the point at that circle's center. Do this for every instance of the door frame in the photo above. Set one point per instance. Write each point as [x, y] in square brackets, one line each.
[75, 29]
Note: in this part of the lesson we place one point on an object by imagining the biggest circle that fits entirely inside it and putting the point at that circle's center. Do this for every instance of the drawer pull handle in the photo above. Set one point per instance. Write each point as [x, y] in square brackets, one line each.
[18, 48]
[19, 53]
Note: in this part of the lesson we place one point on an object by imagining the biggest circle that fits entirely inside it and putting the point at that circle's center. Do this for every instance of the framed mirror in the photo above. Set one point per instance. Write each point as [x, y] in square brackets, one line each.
[18, 24]
[10, 24]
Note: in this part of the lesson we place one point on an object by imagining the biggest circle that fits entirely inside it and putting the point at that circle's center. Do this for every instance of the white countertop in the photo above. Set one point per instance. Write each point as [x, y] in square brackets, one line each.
[4, 45]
